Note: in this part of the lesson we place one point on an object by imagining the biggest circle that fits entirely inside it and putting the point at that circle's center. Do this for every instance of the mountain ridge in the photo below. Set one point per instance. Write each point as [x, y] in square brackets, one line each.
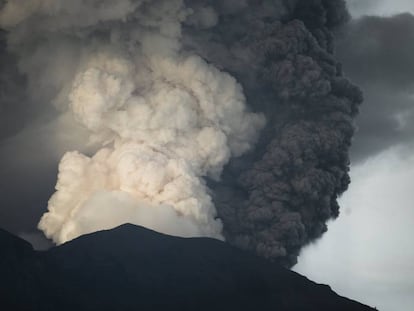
[134, 268]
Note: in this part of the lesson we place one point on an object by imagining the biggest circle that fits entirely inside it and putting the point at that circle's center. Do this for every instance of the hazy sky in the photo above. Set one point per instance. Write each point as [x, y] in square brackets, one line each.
[368, 253]
[379, 7]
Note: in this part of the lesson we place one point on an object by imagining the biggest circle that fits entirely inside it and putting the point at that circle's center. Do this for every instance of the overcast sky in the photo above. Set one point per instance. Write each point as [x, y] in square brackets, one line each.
[368, 253]
[359, 8]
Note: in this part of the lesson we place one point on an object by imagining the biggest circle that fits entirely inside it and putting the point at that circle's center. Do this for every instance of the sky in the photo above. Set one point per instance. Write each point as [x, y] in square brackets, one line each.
[359, 8]
[368, 253]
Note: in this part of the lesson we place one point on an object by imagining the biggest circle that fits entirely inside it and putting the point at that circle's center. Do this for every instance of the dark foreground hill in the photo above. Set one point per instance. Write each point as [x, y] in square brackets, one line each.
[132, 268]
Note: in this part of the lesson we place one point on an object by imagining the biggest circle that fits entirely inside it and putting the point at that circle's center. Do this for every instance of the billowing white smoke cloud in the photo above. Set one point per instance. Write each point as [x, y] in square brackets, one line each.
[164, 118]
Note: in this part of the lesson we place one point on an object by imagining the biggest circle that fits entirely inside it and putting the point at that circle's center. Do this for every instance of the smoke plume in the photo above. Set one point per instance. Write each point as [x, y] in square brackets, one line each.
[163, 118]
[174, 95]
[279, 197]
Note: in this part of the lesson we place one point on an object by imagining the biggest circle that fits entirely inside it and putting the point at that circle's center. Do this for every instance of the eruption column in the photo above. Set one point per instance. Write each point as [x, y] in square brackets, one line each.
[162, 118]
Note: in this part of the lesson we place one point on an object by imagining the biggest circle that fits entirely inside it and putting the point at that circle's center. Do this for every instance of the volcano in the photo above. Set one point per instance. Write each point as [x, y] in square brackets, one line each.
[133, 268]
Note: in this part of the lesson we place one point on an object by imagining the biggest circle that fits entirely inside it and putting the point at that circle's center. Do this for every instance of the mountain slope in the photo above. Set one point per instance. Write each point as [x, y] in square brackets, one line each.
[133, 268]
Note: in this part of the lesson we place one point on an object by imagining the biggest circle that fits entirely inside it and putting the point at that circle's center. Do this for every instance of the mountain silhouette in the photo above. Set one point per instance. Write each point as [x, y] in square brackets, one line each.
[133, 268]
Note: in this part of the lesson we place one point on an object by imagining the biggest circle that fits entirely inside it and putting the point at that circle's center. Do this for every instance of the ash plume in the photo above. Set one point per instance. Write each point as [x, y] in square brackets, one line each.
[229, 119]
[162, 118]
[279, 197]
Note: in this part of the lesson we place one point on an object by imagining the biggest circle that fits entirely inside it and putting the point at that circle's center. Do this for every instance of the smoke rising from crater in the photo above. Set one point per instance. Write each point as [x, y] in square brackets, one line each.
[278, 198]
[173, 95]
[163, 118]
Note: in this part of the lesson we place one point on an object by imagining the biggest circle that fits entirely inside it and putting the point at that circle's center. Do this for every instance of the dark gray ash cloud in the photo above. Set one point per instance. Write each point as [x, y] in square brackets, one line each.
[279, 197]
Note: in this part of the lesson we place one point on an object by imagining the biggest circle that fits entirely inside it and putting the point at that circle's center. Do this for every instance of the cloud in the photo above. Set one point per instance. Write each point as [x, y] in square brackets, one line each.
[360, 8]
[377, 54]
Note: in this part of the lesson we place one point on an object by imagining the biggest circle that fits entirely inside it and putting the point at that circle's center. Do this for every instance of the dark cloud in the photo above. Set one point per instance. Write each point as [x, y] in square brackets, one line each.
[28, 169]
[377, 53]
[279, 197]
[13, 111]
[380, 50]
[14, 114]
[28, 161]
